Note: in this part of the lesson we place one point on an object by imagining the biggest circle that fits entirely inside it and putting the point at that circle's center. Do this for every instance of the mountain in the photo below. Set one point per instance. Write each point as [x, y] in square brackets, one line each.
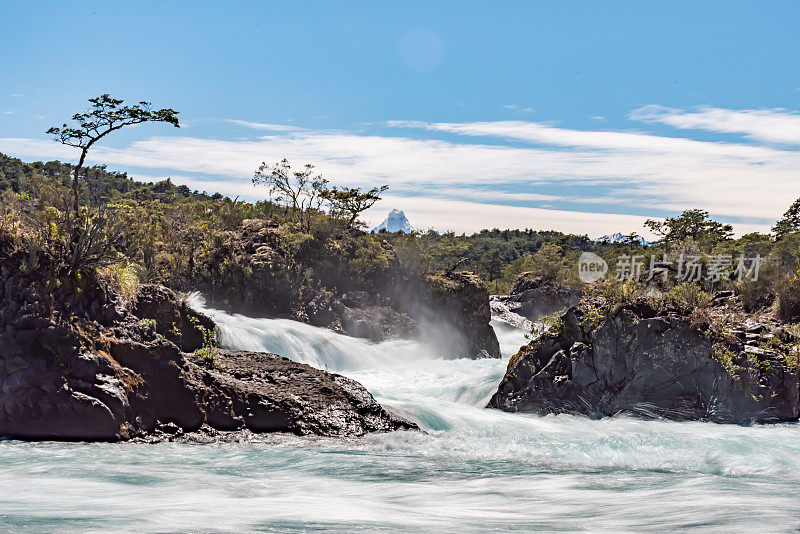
[395, 222]
[622, 238]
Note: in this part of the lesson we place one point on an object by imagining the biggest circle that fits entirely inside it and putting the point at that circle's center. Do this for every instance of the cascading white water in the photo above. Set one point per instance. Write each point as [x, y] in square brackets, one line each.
[474, 468]
[404, 373]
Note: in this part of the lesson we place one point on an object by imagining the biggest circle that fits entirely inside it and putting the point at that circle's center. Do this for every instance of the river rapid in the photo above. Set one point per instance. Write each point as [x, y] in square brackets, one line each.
[472, 469]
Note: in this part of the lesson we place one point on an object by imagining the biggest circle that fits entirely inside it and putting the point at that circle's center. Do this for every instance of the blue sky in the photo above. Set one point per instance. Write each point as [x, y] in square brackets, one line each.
[580, 116]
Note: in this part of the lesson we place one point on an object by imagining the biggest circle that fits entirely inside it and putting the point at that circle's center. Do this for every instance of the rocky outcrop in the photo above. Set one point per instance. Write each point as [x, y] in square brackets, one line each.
[459, 303]
[49, 384]
[356, 314]
[377, 323]
[134, 388]
[450, 308]
[249, 271]
[659, 366]
[78, 365]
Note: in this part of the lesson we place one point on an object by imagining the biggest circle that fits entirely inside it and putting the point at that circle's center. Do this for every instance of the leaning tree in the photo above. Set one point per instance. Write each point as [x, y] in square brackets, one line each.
[105, 115]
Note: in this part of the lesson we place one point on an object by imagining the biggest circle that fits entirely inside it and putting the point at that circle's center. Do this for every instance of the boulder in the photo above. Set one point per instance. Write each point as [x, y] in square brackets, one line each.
[268, 393]
[377, 323]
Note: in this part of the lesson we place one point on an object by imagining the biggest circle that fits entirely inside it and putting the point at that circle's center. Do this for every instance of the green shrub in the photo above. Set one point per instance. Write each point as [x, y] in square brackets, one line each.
[551, 324]
[727, 358]
[688, 296]
[592, 318]
[209, 351]
[788, 299]
[148, 323]
[123, 277]
[621, 293]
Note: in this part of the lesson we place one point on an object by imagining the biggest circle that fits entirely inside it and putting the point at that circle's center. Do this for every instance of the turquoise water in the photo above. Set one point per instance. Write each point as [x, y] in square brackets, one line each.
[473, 470]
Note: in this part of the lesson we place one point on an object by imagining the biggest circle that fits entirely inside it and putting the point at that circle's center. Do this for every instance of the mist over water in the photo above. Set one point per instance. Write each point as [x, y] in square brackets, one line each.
[473, 468]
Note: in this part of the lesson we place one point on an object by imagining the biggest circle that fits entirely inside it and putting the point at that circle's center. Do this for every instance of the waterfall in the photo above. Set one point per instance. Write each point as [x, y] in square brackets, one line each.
[395, 370]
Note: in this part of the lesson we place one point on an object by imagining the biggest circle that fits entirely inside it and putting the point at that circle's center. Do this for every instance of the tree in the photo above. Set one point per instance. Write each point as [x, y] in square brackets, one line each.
[790, 221]
[449, 251]
[299, 190]
[351, 202]
[105, 115]
[411, 253]
[632, 240]
[550, 263]
[693, 224]
[492, 265]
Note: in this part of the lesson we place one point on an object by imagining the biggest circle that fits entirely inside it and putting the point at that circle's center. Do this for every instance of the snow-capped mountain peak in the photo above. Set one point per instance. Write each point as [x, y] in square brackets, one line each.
[621, 238]
[395, 222]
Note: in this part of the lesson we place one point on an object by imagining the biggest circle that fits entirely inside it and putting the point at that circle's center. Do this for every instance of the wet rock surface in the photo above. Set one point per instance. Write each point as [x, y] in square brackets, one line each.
[268, 393]
[173, 317]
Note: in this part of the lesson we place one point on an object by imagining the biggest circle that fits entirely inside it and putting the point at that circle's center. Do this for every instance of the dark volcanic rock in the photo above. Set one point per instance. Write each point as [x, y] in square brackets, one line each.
[457, 299]
[51, 384]
[268, 393]
[174, 319]
[77, 365]
[355, 314]
[655, 367]
[39, 399]
[160, 393]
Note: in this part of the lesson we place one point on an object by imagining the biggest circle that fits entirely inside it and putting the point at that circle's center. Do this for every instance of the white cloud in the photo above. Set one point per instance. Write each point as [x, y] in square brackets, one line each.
[539, 133]
[630, 172]
[770, 125]
[264, 126]
[8, 112]
[654, 172]
[484, 195]
[519, 108]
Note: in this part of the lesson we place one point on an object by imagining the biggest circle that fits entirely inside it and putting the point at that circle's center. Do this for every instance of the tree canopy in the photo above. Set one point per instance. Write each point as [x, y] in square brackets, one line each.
[694, 224]
[790, 222]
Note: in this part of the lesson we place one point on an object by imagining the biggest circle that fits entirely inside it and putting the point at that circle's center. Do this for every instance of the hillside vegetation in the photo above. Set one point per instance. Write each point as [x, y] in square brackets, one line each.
[165, 233]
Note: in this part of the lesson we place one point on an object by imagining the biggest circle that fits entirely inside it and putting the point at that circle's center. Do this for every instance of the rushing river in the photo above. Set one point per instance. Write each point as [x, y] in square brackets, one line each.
[473, 469]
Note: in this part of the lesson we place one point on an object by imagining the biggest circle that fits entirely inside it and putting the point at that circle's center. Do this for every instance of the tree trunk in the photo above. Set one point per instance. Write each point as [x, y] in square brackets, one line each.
[75, 185]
